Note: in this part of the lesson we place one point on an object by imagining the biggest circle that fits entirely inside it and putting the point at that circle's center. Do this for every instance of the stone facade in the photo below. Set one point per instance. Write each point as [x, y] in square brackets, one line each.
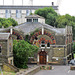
[6, 44]
[55, 44]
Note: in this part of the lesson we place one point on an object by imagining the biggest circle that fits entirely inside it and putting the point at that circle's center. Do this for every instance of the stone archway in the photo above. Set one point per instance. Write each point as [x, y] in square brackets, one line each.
[40, 33]
[18, 34]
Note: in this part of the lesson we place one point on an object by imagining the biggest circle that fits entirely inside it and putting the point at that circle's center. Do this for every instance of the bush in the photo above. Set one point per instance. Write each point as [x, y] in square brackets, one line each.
[22, 50]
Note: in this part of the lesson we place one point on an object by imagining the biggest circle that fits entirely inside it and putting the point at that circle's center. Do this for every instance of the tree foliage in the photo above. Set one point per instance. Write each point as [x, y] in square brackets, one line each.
[64, 20]
[22, 50]
[49, 14]
[54, 19]
[14, 23]
[7, 22]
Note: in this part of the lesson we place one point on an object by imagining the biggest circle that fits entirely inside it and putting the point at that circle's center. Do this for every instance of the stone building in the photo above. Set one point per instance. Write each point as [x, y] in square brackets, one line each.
[6, 48]
[20, 12]
[55, 44]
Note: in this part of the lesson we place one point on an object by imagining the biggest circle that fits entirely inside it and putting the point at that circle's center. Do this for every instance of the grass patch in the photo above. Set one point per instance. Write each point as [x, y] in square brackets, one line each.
[8, 73]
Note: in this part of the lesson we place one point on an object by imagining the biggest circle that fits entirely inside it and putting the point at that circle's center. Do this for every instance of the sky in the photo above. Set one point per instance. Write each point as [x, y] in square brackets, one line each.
[65, 6]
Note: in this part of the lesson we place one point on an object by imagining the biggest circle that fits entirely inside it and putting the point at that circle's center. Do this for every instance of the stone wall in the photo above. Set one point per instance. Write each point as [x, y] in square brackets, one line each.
[9, 68]
[58, 52]
[3, 55]
[60, 40]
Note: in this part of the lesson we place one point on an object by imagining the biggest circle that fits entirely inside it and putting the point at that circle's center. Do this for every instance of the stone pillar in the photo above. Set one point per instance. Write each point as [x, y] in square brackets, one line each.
[38, 59]
[11, 31]
[47, 59]
[42, 30]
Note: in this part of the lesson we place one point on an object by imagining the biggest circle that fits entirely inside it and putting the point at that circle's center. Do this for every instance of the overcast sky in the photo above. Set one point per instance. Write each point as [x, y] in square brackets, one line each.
[65, 6]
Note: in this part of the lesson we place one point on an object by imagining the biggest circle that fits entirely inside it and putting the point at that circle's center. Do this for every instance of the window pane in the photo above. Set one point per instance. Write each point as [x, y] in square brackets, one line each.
[42, 45]
[29, 20]
[35, 20]
[28, 12]
[8, 13]
[42, 42]
[10, 47]
[11, 62]
[18, 13]
[48, 44]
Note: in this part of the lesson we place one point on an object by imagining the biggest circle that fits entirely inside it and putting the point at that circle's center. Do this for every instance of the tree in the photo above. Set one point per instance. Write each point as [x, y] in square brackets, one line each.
[64, 20]
[22, 50]
[49, 14]
[54, 19]
[61, 22]
[7, 22]
[14, 23]
[51, 19]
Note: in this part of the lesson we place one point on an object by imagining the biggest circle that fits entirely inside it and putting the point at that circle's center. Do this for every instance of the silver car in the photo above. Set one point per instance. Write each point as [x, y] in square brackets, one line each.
[72, 62]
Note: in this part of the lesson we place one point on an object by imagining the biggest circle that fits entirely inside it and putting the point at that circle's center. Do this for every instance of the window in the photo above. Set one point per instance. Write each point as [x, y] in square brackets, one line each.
[36, 38]
[10, 47]
[42, 42]
[11, 62]
[0, 49]
[28, 12]
[8, 13]
[42, 45]
[35, 20]
[48, 44]
[29, 20]
[18, 13]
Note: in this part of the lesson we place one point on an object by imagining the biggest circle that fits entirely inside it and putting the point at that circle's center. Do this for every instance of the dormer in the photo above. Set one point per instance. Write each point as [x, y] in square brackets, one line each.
[35, 18]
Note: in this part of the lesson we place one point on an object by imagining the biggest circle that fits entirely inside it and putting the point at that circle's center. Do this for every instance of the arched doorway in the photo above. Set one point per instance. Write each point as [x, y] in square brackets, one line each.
[42, 57]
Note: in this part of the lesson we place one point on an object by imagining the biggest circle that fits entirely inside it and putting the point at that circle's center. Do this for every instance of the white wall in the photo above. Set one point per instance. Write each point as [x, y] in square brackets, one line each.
[27, 2]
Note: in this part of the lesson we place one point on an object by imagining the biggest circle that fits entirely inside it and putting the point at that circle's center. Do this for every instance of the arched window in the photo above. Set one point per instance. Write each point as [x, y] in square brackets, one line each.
[0, 49]
[48, 44]
[42, 42]
[36, 38]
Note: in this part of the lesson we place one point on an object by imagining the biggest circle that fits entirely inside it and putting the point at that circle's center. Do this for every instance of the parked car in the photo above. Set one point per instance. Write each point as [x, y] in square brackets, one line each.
[72, 62]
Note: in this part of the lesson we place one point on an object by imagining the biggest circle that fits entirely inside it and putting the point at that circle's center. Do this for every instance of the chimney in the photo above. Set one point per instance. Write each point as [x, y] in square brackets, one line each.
[52, 3]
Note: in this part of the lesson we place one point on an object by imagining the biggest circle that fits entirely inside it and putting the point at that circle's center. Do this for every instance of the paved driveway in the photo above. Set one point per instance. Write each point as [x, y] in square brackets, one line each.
[58, 70]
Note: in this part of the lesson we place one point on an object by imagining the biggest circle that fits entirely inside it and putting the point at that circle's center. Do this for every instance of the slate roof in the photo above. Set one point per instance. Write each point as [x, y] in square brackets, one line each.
[25, 7]
[29, 27]
[4, 36]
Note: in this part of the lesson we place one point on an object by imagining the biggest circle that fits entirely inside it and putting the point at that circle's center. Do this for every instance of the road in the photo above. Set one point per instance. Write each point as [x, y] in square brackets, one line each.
[58, 70]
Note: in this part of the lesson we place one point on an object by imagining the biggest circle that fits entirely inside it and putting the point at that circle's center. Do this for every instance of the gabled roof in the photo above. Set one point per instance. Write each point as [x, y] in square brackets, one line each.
[4, 36]
[29, 27]
[34, 16]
